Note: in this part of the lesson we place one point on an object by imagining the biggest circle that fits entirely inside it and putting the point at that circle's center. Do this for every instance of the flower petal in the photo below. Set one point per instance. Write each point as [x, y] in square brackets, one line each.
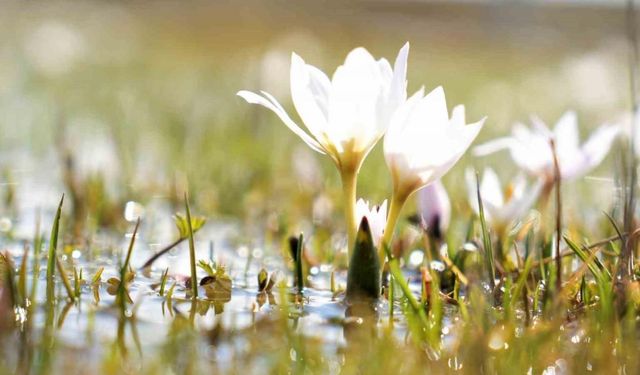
[491, 189]
[566, 133]
[493, 146]
[434, 109]
[310, 95]
[517, 208]
[399, 122]
[592, 152]
[398, 90]
[356, 88]
[269, 102]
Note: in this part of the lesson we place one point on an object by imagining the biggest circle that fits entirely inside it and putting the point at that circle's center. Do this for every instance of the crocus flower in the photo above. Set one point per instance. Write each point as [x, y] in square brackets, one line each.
[531, 150]
[435, 208]
[345, 116]
[502, 207]
[376, 216]
[422, 144]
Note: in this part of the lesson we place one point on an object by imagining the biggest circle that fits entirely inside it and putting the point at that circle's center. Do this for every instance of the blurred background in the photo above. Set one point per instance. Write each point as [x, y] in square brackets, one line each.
[134, 101]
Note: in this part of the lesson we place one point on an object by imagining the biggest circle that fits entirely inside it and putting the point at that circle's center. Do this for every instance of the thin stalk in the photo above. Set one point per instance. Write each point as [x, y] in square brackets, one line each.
[394, 269]
[558, 178]
[397, 202]
[391, 297]
[192, 251]
[160, 253]
[123, 271]
[349, 180]
[51, 261]
[299, 276]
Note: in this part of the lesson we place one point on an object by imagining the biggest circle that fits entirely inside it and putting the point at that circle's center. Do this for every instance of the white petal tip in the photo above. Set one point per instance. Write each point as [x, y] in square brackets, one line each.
[249, 96]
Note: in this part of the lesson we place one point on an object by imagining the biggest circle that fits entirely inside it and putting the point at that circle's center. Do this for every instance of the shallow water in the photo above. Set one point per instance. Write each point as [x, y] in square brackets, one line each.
[87, 328]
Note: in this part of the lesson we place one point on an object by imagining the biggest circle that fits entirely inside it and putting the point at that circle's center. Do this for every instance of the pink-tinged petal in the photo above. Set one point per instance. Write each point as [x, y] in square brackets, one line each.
[269, 102]
[540, 127]
[435, 207]
[592, 152]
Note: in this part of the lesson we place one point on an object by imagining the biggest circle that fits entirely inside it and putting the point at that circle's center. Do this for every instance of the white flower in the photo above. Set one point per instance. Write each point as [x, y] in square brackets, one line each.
[55, 47]
[423, 143]
[376, 216]
[502, 209]
[531, 150]
[435, 208]
[347, 115]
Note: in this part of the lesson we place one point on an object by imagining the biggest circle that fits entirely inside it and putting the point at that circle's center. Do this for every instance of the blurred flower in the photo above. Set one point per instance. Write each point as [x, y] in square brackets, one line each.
[306, 169]
[133, 211]
[501, 209]
[54, 47]
[435, 208]
[348, 114]
[423, 143]
[345, 116]
[530, 148]
[376, 216]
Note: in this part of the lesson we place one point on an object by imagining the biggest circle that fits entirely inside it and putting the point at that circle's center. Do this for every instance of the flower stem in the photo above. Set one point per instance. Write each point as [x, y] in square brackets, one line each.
[397, 202]
[349, 179]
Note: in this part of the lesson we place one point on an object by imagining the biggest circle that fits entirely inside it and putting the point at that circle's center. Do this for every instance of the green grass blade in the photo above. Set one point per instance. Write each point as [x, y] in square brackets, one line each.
[51, 261]
[22, 278]
[163, 281]
[522, 280]
[396, 272]
[122, 291]
[595, 266]
[486, 239]
[65, 280]
[37, 247]
[192, 250]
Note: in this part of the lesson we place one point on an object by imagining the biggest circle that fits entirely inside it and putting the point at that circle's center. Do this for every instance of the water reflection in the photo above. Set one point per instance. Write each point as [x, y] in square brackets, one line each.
[361, 318]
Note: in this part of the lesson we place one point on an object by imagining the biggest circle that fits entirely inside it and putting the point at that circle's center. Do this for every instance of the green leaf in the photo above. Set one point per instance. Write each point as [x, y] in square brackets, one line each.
[182, 224]
[163, 281]
[263, 278]
[208, 267]
[96, 278]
